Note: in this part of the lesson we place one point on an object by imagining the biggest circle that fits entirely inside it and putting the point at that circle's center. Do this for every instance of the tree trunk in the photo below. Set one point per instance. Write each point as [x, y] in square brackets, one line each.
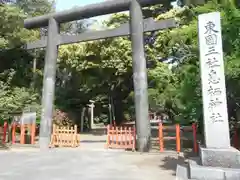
[118, 110]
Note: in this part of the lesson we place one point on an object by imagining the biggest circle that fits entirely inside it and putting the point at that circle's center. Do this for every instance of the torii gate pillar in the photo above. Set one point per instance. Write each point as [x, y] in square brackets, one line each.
[49, 83]
[140, 77]
[54, 39]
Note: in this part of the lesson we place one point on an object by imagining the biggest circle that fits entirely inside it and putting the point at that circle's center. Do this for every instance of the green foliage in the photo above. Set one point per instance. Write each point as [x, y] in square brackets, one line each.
[117, 19]
[12, 33]
[98, 70]
[35, 7]
[102, 70]
[181, 45]
[15, 99]
[16, 64]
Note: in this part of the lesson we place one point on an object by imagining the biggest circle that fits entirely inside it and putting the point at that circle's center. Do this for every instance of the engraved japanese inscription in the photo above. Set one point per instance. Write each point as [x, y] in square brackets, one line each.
[212, 63]
[213, 80]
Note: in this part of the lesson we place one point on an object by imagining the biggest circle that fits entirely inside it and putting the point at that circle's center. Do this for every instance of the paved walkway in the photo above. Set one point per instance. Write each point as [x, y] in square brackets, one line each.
[76, 164]
[88, 162]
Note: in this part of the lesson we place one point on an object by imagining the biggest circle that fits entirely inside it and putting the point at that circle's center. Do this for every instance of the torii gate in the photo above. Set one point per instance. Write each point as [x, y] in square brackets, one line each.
[135, 28]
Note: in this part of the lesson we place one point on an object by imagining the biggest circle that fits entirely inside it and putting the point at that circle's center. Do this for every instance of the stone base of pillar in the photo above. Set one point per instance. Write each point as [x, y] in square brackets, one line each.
[44, 143]
[213, 164]
[226, 158]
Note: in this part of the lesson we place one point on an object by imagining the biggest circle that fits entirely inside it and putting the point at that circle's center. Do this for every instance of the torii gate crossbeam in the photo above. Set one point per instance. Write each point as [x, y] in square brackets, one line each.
[135, 29]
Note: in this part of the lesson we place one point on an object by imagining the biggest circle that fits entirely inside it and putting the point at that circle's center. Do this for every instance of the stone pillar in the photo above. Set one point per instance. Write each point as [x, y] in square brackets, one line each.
[216, 125]
[213, 81]
[139, 77]
[91, 113]
[218, 160]
[82, 118]
[49, 84]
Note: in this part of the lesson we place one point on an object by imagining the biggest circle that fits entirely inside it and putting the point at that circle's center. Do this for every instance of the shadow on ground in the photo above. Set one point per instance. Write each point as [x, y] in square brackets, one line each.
[93, 141]
[96, 132]
[170, 162]
[3, 146]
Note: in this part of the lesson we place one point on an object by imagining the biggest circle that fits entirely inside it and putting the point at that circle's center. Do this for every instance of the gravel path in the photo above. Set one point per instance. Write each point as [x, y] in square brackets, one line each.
[90, 161]
[83, 164]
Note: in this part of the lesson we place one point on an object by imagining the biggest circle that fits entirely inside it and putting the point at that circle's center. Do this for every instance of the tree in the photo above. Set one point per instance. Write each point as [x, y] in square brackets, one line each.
[183, 94]
[102, 70]
[6, 1]
[36, 7]
[191, 2]
[16, 68]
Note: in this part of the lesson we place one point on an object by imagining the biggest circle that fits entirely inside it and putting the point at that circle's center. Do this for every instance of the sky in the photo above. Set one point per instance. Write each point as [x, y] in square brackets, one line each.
[68, 4]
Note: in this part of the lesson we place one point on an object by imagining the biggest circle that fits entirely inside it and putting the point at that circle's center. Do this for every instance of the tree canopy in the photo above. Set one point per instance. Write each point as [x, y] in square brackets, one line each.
[102, 70]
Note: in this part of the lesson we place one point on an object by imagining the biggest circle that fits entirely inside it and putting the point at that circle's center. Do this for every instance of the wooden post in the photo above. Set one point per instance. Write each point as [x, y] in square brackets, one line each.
[22, 134]
[126, 138]
[5, 126]
[75, 135]
[108, 135]
[178, 143]
[195, 145]
[235, 139]
[116, 134]
[121, 136]
[13, 133]
[160, 134]
[33, 131]
[70, 138]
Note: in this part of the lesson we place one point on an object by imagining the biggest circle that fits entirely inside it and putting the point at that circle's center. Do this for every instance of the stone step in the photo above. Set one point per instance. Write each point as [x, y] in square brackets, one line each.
[199, 172]
[182, 172]
[194, 171]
